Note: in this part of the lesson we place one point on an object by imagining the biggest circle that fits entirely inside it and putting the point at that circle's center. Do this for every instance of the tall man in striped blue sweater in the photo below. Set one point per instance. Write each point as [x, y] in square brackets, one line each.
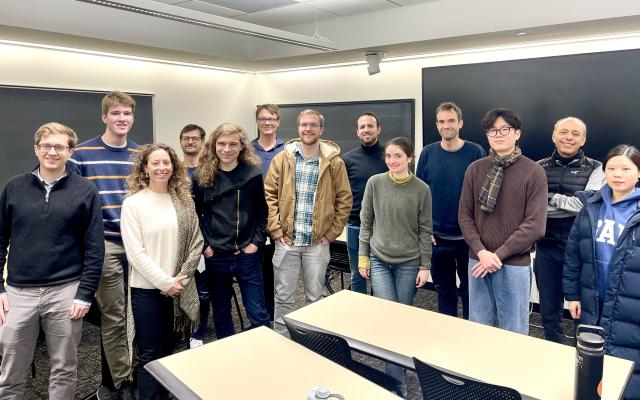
[106, 161]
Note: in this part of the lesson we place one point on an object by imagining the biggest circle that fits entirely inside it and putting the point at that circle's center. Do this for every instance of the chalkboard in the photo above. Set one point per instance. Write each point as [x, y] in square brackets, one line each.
[602, 89]
[397, 118]
[24, 109]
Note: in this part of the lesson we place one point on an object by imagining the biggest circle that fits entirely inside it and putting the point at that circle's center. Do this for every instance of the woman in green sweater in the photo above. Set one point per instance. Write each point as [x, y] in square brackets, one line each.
[395, 232]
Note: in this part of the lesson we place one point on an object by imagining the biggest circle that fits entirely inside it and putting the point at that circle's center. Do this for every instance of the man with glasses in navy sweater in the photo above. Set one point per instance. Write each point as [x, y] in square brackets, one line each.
[52, 220]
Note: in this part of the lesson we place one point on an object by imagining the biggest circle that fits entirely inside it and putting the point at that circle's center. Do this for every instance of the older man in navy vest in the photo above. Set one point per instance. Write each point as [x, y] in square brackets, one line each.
[568, 171]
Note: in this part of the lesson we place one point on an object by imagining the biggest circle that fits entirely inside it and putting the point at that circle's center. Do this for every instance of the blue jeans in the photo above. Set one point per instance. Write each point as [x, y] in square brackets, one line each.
[447, 258]
[248, 273]
[358, 283]
[504, 295]
[391, 282]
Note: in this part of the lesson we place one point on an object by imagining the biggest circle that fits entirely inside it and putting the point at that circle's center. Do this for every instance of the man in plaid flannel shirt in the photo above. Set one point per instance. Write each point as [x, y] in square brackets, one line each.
[309, 199]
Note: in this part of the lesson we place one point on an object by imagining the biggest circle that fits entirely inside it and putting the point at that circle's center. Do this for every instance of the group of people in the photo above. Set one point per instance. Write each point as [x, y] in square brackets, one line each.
[156, 238]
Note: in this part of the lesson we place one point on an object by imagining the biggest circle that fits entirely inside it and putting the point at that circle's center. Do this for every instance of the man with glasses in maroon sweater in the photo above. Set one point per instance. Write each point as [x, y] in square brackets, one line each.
[502, 213]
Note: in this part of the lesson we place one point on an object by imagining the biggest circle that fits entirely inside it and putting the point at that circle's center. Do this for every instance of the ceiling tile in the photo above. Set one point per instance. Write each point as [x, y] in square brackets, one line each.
[209, 8]
[250, 5]
[351, 7]
[285, 16]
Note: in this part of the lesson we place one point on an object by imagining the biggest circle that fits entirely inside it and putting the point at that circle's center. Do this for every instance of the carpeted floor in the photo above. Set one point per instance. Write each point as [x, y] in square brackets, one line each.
[89, 374]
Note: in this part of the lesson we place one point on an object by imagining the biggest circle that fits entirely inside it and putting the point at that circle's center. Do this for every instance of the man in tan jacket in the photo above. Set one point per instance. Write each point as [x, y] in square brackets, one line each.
[309, 199]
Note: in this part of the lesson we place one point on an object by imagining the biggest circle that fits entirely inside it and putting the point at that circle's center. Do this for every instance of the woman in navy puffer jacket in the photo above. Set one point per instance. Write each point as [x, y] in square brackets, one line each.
[601, 278]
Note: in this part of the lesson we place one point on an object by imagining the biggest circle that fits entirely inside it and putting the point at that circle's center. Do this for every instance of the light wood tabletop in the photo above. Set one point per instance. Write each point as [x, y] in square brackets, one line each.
[258, 364]
[537, 368]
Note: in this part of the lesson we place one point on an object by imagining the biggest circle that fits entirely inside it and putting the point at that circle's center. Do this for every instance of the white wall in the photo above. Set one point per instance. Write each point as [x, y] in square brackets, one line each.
[209, 97]
[182, 94]
[403, 78]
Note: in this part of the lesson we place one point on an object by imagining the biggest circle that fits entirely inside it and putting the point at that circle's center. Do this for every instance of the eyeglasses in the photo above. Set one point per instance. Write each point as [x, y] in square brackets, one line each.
[309, 125]
[269, 120]
[188, 139]
[46, 147]
[504, 131]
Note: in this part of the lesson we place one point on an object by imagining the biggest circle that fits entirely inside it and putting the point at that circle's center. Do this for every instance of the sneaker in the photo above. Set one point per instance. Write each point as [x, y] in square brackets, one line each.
[103, 393]
[195, 343]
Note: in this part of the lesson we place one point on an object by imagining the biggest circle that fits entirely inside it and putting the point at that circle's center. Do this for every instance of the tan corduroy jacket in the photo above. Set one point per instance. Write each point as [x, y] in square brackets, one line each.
[333, 196]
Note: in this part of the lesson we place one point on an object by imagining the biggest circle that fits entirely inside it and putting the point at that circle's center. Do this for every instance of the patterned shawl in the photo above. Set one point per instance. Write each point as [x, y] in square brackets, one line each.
[491, 186]
[186, 306]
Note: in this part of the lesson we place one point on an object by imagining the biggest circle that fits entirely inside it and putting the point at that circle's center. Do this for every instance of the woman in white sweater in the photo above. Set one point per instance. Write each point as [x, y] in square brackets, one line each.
[163, 245]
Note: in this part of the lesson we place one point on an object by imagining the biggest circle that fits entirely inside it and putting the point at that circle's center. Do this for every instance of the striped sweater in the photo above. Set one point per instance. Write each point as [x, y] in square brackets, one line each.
[107, 167]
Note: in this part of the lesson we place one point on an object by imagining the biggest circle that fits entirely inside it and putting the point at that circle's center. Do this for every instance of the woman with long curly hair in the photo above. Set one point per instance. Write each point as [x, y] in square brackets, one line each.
[163, 244]
[230, 201]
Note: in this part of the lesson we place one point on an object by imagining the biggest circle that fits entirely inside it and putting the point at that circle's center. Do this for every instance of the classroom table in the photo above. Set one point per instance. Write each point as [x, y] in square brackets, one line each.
[537, 368]
[258, 364]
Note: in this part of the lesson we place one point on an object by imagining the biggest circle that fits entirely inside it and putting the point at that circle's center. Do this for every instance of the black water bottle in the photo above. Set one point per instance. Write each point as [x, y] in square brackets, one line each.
[589, 359]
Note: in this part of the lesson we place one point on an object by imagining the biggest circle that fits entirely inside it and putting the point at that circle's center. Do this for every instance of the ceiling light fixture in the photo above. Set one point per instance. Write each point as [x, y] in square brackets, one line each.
[205, 24]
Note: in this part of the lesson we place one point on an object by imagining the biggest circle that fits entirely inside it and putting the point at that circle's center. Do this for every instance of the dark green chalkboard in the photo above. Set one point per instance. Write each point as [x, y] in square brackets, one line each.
[602, 89]
[24, 109]
[397, 118]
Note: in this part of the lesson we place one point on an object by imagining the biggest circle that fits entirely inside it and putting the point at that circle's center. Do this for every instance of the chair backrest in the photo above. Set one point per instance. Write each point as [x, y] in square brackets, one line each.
[440, 385]
[329, 346]
[339, 260]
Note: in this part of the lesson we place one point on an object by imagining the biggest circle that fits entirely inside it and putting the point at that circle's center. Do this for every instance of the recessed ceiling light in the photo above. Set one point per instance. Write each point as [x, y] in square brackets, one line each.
[521, 33]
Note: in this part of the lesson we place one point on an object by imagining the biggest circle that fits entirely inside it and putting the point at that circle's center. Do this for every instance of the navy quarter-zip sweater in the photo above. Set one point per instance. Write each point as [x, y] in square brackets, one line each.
[53, 241]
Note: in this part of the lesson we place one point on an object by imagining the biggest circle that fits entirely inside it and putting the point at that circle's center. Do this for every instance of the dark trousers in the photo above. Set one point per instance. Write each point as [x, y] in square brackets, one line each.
[153, 317]
[548, 267]
[202, 283]
[267, 276]
[447, 258]
[247, 270]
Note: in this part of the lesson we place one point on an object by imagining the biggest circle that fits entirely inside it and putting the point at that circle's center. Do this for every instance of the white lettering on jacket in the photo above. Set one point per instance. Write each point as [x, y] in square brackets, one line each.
[608, 231]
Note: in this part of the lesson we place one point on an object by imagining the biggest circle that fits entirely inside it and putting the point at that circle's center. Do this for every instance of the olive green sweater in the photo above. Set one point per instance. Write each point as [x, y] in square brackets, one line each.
[396, 221]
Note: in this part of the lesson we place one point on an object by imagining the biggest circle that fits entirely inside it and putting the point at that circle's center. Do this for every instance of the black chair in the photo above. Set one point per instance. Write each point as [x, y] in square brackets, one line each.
[437, 384]
[337, 350]
[338, 264]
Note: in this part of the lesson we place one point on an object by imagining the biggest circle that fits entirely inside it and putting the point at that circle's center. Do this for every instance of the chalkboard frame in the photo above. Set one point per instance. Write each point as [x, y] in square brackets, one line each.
[288, 128]
[24, 108]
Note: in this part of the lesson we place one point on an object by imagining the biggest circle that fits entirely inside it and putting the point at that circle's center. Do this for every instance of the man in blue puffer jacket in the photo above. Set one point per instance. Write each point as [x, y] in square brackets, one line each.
[602, 271]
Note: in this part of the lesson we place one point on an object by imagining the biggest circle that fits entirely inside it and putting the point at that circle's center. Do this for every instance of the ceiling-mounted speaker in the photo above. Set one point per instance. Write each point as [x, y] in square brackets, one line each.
[373, 59]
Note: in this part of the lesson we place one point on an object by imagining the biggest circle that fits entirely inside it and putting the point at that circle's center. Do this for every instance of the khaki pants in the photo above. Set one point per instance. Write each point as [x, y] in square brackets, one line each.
[30, 309]
[110, 298]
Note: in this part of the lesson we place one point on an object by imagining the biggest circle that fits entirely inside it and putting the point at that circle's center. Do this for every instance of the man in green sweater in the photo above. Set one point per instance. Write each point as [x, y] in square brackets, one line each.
[502, 213]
